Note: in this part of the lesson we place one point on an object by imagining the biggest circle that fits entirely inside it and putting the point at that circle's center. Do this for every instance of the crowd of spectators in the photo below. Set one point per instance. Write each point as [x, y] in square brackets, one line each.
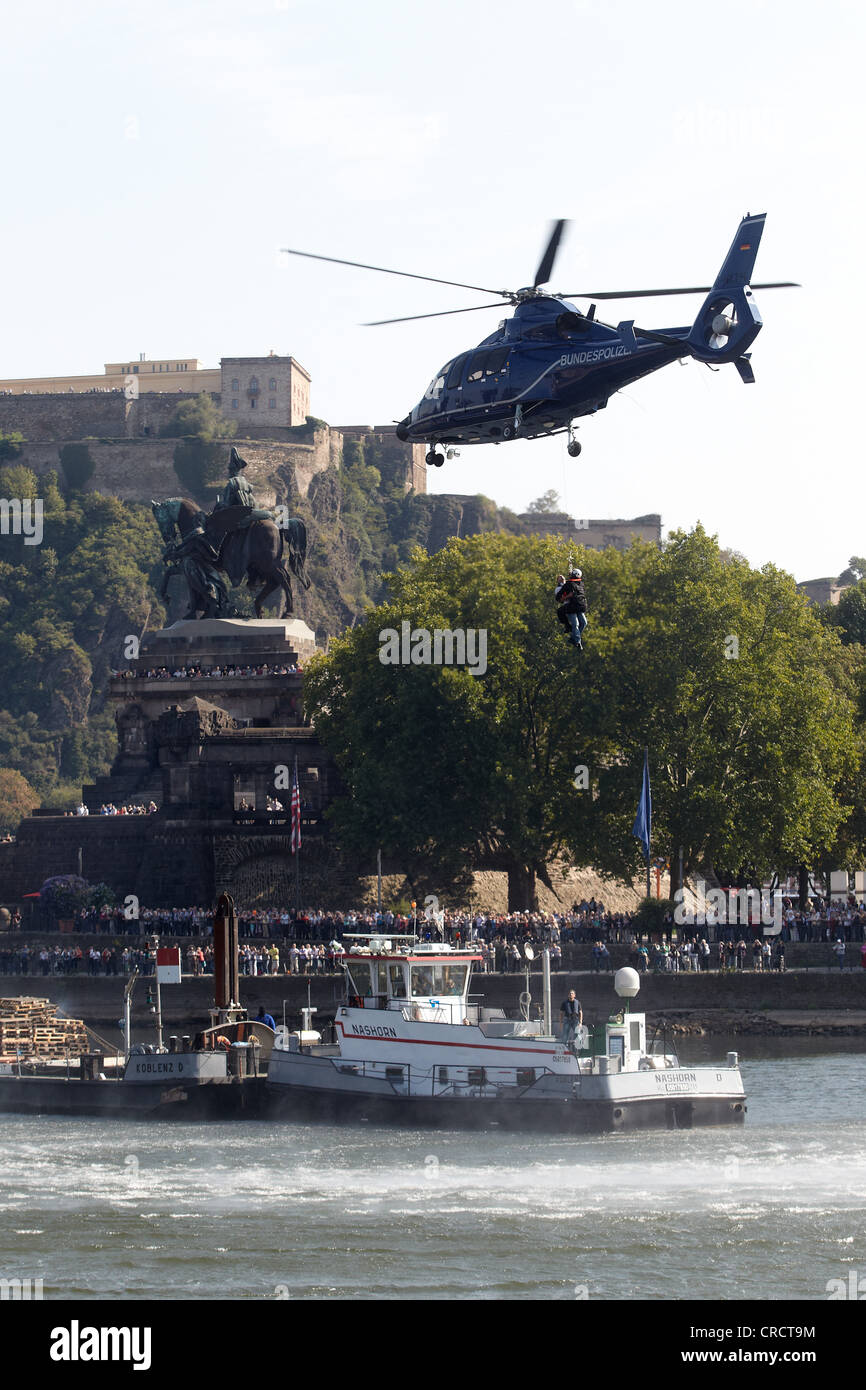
[282, 940]
[311, 958]
[162, 673]
[108, 808]
[584, 923]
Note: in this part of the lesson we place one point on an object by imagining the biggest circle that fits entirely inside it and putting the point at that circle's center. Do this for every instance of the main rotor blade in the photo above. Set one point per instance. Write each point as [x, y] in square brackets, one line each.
[440, 314]
[653, 294]
[408, 274]
[545, 265]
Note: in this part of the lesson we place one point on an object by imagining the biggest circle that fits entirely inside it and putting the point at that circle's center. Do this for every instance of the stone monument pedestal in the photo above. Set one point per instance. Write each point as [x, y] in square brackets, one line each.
[271, 640]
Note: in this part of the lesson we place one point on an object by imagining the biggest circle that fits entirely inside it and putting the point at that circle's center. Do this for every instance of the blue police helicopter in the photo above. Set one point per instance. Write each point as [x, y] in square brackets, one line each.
[549, 364]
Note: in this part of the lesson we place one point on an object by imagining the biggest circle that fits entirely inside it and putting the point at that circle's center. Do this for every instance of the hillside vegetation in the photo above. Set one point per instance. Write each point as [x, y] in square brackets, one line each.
[67, 604]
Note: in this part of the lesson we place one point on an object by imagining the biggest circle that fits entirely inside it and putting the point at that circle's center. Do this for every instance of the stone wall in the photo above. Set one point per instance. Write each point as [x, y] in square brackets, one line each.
[98, 1000]
[114, 426]
[137, 469]
[70, 416]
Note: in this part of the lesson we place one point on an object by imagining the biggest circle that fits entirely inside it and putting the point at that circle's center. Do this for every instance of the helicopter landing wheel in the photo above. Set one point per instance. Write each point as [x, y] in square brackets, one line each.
[434, 459]
[509, 432]
[574, 448]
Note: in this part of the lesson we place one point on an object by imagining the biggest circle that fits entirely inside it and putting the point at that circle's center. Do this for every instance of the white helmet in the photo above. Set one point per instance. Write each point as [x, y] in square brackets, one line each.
[575, 573]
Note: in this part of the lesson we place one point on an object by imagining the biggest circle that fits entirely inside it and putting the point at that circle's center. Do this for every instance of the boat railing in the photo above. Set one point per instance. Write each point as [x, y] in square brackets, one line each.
[407, 1080]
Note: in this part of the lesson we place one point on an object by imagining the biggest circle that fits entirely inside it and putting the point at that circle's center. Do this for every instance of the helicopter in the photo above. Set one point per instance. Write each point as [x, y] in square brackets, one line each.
[549, 363]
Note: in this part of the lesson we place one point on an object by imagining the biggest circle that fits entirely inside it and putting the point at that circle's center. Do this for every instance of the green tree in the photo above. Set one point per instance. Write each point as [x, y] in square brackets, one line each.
[721, 670]
[11, 445]
[548, 502]
[848, 616]
[725, 674]
[200, 419]
[856, 570]
[17, 798]
[444, 767]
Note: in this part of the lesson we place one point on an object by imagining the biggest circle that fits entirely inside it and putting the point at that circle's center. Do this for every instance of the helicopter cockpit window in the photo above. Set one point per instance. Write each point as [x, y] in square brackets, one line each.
[487, 364]
[434, 390]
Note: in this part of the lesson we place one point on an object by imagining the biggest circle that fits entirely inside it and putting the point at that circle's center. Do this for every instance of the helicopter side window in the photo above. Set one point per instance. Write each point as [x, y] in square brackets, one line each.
[572, 323]
[487, 364]
[456, 372]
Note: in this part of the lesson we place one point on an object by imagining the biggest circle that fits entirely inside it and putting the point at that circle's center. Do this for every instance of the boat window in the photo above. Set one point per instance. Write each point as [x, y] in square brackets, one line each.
[456, 372]
[450, 979]
[616, 1045]
[422, 981]
[634, 1039]
[398, 981]
[433, 980]
[380, 975]
[359, 973]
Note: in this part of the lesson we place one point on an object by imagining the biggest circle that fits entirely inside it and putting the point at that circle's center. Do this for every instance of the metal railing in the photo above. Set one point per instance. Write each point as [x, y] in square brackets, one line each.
[412, 1081]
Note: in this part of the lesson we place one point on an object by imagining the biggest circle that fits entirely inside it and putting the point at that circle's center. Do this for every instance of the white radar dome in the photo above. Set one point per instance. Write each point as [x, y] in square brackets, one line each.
[626, 982]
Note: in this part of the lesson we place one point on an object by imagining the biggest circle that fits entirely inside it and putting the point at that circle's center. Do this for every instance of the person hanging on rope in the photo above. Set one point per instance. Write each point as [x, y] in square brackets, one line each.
[571, 605]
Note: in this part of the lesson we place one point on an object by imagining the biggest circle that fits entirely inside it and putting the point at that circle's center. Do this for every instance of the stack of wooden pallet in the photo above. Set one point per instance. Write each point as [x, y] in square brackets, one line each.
[30, 1028]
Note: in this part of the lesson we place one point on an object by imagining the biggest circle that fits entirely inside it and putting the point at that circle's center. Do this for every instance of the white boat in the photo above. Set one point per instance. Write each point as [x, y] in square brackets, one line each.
[410, 1046]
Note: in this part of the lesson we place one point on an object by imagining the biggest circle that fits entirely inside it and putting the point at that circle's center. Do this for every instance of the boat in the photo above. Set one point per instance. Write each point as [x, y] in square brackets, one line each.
[410, 1046]
[213, 1073]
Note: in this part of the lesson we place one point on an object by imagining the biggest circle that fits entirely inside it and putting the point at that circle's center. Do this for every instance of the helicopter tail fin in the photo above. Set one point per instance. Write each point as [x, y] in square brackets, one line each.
[729, 322]
[739, 263]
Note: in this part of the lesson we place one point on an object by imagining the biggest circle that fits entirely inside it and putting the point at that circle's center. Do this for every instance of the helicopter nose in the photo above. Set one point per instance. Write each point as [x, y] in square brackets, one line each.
[402, 430]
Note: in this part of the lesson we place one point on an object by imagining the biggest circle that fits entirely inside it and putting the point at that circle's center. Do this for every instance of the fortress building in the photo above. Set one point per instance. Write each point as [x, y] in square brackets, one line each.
[274, 390]
[596, 534]
[121, 417]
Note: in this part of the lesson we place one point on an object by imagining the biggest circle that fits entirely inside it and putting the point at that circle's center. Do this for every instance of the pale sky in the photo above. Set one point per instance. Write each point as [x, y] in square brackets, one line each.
[156, 157]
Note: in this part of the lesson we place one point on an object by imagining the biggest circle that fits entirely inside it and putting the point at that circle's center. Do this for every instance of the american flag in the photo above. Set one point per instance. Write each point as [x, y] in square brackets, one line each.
[296, 812]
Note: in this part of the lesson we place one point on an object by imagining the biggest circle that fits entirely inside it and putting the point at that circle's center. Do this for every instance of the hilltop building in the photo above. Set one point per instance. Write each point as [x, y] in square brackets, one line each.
[827, 590]
[597, 534]
[122, 415]
[273, 389]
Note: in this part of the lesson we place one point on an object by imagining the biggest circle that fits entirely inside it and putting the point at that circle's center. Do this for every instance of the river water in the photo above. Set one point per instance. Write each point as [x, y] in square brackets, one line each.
[134, 1209]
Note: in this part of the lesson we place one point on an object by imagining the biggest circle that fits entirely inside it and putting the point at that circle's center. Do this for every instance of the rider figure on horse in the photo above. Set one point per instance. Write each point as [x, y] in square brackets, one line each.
[238, 493]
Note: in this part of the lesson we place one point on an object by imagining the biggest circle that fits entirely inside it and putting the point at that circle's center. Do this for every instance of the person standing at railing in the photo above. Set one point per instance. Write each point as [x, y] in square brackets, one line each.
[572, 1018]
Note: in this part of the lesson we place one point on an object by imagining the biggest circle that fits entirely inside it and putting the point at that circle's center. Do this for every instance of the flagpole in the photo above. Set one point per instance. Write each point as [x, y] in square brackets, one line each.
[642, 828]
[649, 829]
[296, 837]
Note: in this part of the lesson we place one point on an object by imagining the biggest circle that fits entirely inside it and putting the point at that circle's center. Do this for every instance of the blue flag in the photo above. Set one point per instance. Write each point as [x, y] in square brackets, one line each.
[643, 821]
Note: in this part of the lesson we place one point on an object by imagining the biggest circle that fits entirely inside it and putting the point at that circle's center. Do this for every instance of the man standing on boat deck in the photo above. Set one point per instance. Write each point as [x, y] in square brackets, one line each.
[572, 1017]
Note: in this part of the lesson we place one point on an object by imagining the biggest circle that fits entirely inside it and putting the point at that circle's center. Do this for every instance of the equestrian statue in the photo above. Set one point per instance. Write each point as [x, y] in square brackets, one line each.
[237, 539]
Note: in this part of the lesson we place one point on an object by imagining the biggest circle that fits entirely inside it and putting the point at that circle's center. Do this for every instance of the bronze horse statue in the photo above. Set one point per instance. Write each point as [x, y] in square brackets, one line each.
[221, 542]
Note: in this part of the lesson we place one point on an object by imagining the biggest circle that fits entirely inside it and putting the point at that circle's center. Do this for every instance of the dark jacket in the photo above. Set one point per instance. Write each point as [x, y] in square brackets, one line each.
[572, 597]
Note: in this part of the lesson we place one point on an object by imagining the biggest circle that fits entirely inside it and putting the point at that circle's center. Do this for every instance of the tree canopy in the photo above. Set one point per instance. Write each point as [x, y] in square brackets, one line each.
[200, 419]
[548, 502]
[722, 671]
